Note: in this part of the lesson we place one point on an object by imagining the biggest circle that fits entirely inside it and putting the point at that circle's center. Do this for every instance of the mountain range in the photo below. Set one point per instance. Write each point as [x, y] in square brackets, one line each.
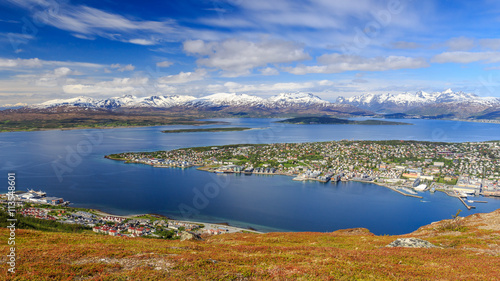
[215, 100]
[446, 104]
[423, 103]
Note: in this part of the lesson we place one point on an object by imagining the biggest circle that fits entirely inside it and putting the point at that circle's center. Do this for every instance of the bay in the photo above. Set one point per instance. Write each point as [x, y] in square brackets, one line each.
[70, 164]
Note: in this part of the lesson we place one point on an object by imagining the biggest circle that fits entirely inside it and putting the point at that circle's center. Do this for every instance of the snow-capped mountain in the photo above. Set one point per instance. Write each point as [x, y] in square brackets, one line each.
[406, 101]
[160, 101]
[225, 99]
[116, 102]
[78, 101]
[215, 100]
[289, 99]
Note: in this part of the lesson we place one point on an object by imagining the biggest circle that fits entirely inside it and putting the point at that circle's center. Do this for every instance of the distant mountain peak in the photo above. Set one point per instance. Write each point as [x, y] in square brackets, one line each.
[213, 100]
[403, 102]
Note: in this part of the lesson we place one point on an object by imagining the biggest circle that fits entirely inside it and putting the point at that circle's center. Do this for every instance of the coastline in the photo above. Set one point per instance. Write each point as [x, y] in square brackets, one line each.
[209, 169]
[205, 224]
[114, 127]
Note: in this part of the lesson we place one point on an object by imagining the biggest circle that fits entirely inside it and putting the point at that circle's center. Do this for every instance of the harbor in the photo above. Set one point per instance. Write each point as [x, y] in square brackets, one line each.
[38, 197]
[425, 166]
[461, 198]
[36, 204]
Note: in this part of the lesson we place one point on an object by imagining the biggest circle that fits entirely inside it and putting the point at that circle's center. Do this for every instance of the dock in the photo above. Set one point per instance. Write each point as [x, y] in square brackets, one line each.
[398, 191]
[465, 204]
[405, 194]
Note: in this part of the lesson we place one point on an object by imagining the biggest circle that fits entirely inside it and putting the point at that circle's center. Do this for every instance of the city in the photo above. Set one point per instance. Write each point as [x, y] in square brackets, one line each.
[464, 168]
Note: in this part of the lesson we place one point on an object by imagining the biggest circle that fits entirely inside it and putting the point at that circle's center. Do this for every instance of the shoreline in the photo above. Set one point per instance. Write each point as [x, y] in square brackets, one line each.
[209, 170]
[205, 224]
[113, 127]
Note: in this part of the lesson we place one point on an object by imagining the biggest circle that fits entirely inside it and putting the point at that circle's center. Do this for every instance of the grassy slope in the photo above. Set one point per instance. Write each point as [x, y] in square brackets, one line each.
[341, 255]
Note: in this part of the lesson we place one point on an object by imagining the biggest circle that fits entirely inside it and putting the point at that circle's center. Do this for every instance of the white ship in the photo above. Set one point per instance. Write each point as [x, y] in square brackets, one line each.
[39, 193]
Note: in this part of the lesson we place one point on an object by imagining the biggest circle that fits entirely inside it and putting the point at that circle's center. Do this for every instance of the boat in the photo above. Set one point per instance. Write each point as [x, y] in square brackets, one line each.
[39, 193]
[407, 190]
[420, 187]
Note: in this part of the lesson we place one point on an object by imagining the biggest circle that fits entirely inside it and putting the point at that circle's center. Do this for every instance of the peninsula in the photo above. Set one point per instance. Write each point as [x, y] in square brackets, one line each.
[337, 121]
[458, 169]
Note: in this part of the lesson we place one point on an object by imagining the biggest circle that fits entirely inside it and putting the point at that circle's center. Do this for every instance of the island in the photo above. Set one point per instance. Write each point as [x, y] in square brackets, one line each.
[226, 129]
[337, 121]
[406, 167]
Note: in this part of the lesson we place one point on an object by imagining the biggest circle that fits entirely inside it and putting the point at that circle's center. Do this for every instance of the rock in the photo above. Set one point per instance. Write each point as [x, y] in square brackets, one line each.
[411, 243]
[187, 235]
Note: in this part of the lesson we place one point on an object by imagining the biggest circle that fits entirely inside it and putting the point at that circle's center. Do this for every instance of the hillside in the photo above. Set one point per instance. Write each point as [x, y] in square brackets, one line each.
[28, 119]
[467, 248]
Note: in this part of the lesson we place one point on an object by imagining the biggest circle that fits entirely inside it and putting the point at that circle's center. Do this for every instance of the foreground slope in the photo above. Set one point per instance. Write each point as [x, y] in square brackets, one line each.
[467, 248]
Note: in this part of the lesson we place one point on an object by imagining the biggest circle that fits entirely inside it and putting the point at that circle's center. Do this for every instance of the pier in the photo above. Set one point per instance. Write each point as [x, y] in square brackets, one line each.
[465, 204]
[405, 194]
[393, 189]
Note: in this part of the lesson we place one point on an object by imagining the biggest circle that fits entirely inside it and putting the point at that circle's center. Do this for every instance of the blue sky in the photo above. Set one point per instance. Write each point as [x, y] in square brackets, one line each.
[63, 48]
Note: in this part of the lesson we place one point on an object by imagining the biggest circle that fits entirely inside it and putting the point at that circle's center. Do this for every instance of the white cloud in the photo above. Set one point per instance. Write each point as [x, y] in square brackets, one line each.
[19, 63]
[183, 77]
[467, 57]
[15, 40]
[337, 63]
[269, 71]
[493, 44]
[460, 44]
[23, 64]
[405, 45]
[54, 78]
[143, 42]
[122, 68]
[62, 71]
[115, 86]
[239, 57]
[164, 64]
[267, 89]
[320, 22]
[86, 22]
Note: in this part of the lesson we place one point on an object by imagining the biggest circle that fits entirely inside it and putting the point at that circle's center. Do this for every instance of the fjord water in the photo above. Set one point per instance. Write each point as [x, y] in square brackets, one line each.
[70, 164]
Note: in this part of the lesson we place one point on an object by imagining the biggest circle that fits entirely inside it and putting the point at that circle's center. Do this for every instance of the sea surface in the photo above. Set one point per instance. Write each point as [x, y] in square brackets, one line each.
[70, 164]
